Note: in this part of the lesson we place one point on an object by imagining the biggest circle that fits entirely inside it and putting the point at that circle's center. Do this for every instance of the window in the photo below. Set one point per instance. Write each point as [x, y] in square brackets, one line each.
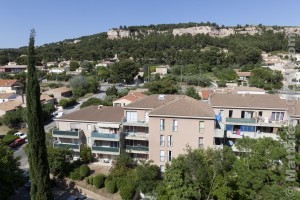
[162, 156]
[170, 142]
[131, 116]
[230, 113]
[247, 114]
[162, 168]
[162, 140]
[162, 124]
[169, 156]
[277, 116]
[175, 125]
[221, 112]
[201, 127]
[260, 113]
[201, 142]
[89, 140]
[89, 127]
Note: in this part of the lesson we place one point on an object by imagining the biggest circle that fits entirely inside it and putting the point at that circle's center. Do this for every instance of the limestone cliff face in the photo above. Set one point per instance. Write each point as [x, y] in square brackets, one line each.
[212, 31]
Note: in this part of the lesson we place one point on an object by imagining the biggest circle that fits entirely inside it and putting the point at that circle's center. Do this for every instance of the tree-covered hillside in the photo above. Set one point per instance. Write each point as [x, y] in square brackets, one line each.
[163, 48]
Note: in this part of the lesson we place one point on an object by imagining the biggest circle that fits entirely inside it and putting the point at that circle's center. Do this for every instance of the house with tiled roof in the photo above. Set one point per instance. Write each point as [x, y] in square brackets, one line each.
[129, 98]
[8, 107]
[10, 86]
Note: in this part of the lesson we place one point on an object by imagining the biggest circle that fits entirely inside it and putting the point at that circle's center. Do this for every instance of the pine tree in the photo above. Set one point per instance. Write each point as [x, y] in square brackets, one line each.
[39, 168]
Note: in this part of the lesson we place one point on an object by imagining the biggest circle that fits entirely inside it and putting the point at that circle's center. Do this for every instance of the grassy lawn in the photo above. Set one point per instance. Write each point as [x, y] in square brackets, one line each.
[3, 130]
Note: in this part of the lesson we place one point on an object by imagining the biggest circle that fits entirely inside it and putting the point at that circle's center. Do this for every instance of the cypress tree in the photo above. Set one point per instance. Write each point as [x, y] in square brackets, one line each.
[39, 168]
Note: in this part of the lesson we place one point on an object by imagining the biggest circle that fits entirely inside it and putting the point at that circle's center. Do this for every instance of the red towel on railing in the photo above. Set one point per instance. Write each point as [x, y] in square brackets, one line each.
[238, 132]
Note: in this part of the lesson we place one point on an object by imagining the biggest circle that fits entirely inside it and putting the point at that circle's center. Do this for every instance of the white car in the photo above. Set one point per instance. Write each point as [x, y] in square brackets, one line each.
[21, 135]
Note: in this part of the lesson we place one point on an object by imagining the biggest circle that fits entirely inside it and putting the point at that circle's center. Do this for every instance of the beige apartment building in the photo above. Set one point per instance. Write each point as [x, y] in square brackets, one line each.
[97, 126]
[252, 115]
[160, 127]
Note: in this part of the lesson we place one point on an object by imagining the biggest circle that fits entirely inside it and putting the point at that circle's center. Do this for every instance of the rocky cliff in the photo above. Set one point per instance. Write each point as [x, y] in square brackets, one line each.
[210, 30]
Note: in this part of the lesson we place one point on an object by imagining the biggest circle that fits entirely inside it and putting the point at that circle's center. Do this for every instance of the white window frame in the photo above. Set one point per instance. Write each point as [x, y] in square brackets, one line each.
[170, 141]
[175, 125]
[201, 144]
[131, 116]
[162, 124]
[162, 140]
[201, 128]
[162, 156]
[89, 127]
[169, 156]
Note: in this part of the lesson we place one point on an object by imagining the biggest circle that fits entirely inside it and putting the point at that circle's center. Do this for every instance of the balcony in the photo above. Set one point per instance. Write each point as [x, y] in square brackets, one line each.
[269, 122]
[105, 136]
[140, 123]
[66, 134]
[219, 133]
[72, 146]
[106, 150]
[136, 136]
[137, 149]
[240, 120]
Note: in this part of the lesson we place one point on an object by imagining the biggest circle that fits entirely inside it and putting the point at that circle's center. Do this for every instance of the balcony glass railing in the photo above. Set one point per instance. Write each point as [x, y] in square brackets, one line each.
[65, 133]
[241, 120]
[137, 148]
[103, 148]
[95, 134]
[65, 145]
[137, 122]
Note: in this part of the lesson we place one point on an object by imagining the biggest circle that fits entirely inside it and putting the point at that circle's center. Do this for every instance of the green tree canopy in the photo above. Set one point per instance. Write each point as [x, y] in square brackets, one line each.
[123, 71]
[191, 92]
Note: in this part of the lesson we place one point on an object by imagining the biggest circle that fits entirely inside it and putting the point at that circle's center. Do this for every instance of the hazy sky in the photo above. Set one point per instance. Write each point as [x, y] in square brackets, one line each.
[56, 20]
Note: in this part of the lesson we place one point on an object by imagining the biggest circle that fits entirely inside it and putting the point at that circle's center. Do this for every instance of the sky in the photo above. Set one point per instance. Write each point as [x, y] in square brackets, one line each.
[56, 20]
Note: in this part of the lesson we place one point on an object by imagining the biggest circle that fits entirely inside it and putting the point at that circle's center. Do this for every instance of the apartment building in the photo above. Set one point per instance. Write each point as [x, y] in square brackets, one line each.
[160, 127]
[97, 126]
[252, 115]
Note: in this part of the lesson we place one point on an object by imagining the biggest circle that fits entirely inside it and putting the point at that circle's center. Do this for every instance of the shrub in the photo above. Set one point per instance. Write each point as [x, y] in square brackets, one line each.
[67, 102]
[87, 180]
[127, 191]
[7, 139]
[84, 170]
[91, 180]
[110, 185]
[98, 181]
[75, 175]
[12, 131]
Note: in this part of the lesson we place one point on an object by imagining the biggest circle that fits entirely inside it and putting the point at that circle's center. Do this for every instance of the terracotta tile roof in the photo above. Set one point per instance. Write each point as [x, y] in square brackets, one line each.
[59, 90]
[93, 113]
[244, 73]
[186, 107]
[134, 96]
[7, 82]
[9, 105]
[152, 101]
[205, 94]
[264, 101]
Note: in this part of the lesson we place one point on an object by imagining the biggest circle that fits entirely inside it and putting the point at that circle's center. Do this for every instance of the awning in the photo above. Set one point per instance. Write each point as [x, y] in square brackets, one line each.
[108, 125]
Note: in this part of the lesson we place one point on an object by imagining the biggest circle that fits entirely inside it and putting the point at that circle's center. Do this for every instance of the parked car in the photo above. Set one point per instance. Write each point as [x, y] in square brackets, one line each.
[17, 142]
[25, 175]
[21, 135]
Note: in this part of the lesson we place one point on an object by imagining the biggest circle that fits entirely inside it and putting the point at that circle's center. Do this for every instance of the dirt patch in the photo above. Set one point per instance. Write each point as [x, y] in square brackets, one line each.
[99, 169]
[3, 130]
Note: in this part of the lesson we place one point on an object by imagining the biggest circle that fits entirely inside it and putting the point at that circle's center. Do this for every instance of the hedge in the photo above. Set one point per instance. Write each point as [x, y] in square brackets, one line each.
[110, 185]
[75, 175]
[84, 170]
[98, 181]
[127, 191]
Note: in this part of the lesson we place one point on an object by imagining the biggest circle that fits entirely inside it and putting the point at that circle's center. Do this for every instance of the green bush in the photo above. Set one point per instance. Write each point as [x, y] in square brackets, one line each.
[110, 185]
[91, 180]
[84, 170]
[75, 175]
[87, 180]
[98, 181]
[12, 131]
[127, 191]
[7, 139]
[67, 102]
